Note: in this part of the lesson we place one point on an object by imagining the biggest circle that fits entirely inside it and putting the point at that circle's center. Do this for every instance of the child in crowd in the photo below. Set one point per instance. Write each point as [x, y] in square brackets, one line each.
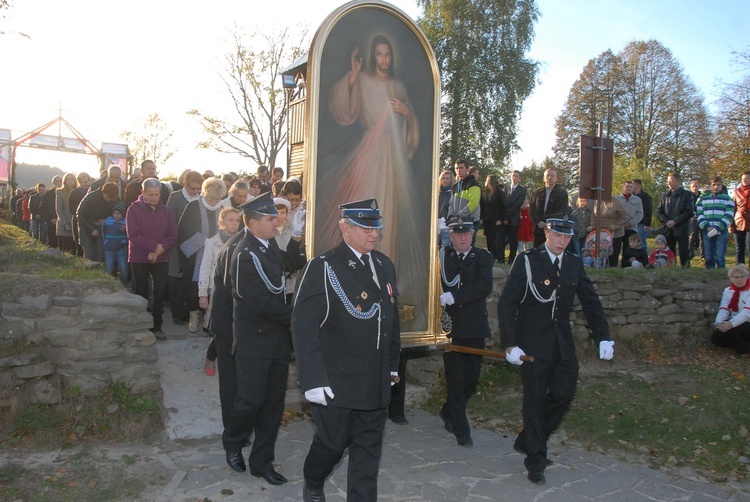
[634, 256]
[662, 255]
[116, 244]
[229, 224]
[525, 229]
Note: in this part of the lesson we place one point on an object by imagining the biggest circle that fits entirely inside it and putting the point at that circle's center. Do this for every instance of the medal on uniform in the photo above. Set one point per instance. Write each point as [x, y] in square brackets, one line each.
[363, 295]
[359, 308]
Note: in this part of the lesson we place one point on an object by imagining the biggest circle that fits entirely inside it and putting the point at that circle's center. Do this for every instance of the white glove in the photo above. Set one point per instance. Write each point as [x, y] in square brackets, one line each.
[318, 395]
[447, 299]
[513, 355]
[393, 374]
[298, 222]
[441, 224]
[606, 350]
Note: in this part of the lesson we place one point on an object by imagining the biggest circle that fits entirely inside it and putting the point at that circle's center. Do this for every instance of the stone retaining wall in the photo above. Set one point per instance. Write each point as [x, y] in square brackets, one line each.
[65, 335]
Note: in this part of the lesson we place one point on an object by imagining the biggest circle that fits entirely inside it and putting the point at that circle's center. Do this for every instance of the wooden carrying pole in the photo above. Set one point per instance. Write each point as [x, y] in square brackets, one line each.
[481, 352]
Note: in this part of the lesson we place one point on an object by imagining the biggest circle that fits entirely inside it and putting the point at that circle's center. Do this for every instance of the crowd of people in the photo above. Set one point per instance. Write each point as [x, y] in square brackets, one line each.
[685, 223]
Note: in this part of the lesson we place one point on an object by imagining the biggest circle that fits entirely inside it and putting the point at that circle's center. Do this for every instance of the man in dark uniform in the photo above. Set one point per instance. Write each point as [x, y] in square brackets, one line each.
[261, 337]
[550, 201]
[534, 316]
[221, 325]
[466, 274]
[346, 341]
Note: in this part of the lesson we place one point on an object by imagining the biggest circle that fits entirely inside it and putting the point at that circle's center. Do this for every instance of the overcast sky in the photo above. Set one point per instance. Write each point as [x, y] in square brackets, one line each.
[109, 65]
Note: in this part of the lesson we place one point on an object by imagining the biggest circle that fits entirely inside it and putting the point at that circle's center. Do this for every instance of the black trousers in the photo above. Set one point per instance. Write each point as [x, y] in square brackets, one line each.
[337, 429]
[398, 391]
[512, 242]
[737, 338]
[227, 376]
[683, 242]
[177, 295]
[461, 378]
[158, 274]
[258, 408]
[548, 390]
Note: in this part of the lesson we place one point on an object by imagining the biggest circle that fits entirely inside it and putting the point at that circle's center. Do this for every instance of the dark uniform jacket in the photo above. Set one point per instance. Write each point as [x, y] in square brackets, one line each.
[557, 206]
[469, 312]
[334, 345]
[677, 206]
[261, 317]
[534, 326]
[220, 321]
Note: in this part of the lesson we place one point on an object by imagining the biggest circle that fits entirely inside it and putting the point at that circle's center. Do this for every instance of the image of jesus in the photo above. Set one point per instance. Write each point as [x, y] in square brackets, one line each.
[379, 165]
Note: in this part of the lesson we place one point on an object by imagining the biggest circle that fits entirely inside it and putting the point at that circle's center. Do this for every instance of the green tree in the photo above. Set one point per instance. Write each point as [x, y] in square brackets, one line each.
[252, 79]
[152, 141]
[480, 47]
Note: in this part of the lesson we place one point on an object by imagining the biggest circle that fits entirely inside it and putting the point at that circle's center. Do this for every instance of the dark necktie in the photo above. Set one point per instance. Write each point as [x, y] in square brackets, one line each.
[461, 256]
[556, 263]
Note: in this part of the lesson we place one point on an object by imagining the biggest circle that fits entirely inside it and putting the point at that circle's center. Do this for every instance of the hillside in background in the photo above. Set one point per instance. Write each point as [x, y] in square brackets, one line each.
[28, 175]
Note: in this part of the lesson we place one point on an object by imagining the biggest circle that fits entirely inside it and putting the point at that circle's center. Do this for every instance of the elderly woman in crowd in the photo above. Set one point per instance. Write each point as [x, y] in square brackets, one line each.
[64, 223]
[732, 326]
[198, 223]
[229, 224]
[152, 233]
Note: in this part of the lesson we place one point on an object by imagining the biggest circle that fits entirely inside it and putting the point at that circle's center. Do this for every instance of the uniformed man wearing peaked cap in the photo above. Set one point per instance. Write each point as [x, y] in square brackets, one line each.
[534, 315]
[347, 339]
[261, 320]
[466, 276]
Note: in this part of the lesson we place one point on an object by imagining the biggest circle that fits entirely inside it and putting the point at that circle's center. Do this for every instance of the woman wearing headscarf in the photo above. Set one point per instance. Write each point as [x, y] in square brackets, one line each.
[198, 223]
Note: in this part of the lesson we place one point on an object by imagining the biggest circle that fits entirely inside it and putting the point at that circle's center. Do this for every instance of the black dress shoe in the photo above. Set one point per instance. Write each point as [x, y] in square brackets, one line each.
[518, 449]
[272, 477]
[399, 419]
[310, 495]
[235, 461]
[446, 423]
[465, 441]
[537, 477]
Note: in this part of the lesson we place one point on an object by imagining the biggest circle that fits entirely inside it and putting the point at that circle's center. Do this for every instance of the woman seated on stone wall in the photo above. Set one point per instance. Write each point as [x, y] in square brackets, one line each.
[732, 326]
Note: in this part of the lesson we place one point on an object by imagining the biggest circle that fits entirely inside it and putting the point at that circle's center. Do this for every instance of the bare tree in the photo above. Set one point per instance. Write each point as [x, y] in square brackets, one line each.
[152, 141]
[253, 82]
[732, 138]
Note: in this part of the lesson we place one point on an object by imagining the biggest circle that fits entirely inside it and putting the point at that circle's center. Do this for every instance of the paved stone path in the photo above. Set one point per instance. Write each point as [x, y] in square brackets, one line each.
[420, 462]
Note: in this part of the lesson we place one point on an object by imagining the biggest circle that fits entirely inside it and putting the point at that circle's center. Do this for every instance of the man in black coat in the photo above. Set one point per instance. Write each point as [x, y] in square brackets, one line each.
[114, 175]
[466, 273]
[515, 195]
[95, 207]
[261, 319]
[550, 201]
[133, 189]
[346, 341]
[674, 212]
[534, 316]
